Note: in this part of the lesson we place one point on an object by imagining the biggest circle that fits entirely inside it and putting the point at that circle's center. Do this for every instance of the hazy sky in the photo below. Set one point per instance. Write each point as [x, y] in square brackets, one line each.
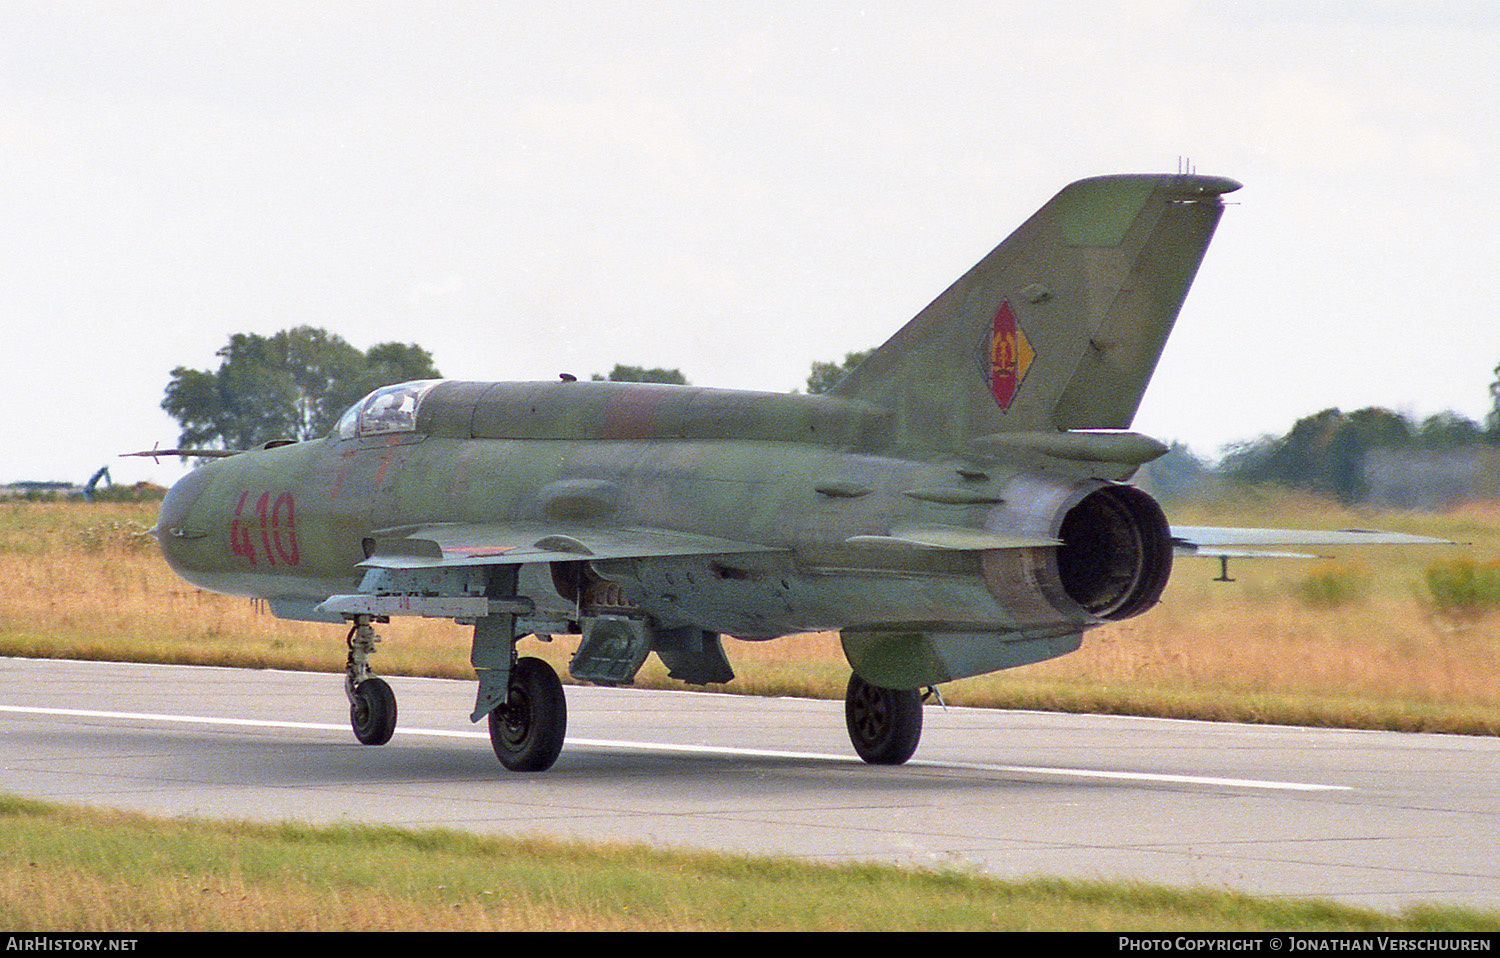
[736, 189]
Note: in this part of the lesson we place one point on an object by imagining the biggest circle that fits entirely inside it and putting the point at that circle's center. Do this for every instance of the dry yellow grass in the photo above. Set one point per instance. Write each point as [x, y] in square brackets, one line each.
[1357, 643]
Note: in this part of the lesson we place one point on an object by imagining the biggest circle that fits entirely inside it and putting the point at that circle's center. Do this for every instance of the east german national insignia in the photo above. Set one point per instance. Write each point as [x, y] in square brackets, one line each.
[1010, 356]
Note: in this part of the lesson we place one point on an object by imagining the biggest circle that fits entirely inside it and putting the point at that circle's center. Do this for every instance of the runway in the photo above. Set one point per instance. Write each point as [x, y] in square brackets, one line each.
[1378, 819]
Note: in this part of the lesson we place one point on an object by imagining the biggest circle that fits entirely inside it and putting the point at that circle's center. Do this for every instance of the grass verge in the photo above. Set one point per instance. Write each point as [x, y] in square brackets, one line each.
[86, 870]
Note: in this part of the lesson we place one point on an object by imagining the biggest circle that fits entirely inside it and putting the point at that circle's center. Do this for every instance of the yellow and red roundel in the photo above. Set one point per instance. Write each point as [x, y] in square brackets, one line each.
[1010, 356]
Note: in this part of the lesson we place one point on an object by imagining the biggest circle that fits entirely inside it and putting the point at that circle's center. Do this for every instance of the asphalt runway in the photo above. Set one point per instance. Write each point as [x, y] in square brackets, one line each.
[1379, 819]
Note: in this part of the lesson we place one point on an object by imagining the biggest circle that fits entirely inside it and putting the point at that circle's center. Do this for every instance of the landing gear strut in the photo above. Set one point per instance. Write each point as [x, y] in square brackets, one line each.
[372, 704]
[884, 724]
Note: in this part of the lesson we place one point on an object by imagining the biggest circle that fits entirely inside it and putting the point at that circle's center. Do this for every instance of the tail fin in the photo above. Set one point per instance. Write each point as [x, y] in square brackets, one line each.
[1061, 326]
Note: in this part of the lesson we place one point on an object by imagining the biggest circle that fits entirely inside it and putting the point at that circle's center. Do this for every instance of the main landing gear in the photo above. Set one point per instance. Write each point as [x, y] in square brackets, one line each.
[527, 731]
[884, 724]
[528, 715]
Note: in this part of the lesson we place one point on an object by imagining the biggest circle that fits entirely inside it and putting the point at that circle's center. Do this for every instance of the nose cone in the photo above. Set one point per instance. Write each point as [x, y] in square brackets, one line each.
[175, 527]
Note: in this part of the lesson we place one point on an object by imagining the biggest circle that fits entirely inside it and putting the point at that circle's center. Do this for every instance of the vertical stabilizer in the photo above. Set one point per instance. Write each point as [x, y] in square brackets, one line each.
[1061, 326]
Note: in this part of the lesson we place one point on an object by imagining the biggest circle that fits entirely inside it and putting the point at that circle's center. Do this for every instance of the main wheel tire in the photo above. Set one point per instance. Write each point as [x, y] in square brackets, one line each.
[884, 724]
[527, 731]
[373, 712]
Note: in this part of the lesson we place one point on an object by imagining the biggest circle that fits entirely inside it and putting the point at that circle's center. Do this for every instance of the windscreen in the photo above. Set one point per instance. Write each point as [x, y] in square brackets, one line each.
[389, 409]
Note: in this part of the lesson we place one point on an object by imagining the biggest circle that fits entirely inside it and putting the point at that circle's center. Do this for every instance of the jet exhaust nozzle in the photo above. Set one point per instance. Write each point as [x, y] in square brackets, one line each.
[1113, 563]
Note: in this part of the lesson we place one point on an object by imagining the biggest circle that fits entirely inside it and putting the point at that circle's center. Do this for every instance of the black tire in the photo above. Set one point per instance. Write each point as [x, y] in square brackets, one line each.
[373, 712]
[884, 724]
[527, 731]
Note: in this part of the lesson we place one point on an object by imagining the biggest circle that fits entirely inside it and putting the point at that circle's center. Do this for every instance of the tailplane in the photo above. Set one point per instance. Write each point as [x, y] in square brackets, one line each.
[1060, 327]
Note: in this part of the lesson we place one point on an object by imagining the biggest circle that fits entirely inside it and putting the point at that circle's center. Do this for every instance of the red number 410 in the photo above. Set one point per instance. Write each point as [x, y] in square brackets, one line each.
[277, 524]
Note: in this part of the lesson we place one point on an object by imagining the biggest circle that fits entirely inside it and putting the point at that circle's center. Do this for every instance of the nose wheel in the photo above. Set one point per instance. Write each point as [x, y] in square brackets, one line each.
[884, 724]
[372, 704]
[372, 712]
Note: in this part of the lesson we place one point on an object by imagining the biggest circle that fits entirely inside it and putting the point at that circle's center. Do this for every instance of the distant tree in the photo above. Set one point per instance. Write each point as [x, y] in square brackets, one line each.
[1321, 453]
[1178, 473]
[1492, 421]
[1248, 460]
[1448, 430]
[824, 376]
[292, 385]
[387, 363]
[640, 374]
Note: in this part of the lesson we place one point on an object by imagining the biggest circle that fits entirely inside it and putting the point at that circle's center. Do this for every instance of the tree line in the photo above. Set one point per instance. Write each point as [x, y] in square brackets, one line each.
[1325, 453]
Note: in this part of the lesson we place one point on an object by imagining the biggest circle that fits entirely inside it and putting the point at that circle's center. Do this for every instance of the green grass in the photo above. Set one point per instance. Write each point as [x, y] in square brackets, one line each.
[83, 870]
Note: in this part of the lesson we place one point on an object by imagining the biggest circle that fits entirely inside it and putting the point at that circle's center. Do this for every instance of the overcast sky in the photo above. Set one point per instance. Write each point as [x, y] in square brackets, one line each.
[735, 189]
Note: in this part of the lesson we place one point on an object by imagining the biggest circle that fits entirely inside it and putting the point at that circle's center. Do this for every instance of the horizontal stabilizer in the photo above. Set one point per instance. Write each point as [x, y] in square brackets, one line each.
[1214, 552]
[1215, 540]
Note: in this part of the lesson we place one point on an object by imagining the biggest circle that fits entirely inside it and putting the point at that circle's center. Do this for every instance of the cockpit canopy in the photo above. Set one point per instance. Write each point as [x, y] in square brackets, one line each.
[389, 409]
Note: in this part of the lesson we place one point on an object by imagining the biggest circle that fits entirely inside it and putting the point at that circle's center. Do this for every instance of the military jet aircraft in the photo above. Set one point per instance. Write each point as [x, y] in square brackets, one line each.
[957, 505]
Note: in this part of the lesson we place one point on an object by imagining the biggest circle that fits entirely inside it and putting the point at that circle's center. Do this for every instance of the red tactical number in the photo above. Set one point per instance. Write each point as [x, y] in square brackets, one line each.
[262, 510]
[284, 528]
[278, 530]
[239, 537]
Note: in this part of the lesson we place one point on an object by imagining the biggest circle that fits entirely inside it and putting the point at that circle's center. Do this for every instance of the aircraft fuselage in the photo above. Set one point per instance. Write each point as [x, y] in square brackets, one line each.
[296, 521]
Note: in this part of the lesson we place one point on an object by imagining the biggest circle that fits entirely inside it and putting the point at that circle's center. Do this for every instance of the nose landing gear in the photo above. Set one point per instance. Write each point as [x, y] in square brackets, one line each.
[372, 704]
